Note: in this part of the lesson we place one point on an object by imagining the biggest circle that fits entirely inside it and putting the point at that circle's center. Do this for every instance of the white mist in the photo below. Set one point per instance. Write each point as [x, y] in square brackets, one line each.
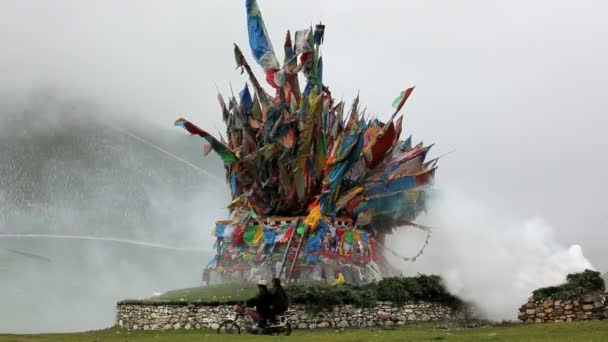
[486, 256]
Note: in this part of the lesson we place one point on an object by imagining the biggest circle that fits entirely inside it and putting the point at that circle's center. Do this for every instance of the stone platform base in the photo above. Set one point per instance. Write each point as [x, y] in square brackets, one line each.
[192, 316]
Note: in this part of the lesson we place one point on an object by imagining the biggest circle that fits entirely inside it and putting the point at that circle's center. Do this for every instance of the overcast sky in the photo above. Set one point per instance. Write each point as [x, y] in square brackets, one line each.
[516, 88]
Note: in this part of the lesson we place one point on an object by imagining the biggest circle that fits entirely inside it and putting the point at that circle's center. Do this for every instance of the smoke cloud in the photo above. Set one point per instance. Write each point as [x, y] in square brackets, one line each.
[491, 258]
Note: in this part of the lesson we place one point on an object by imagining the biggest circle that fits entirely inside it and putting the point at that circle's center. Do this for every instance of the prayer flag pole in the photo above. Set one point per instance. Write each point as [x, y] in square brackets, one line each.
[295, 228]
[295, 258]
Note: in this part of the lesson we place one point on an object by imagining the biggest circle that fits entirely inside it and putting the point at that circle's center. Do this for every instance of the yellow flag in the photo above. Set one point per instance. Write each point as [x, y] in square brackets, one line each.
[259, 234]
[312, 220]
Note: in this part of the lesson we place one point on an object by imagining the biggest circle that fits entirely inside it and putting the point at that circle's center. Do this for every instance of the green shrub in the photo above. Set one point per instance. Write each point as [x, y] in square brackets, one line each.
[576, 285]
[433, 290]
[364, 296]
[317, 297]
[398, 290]
[394, 290]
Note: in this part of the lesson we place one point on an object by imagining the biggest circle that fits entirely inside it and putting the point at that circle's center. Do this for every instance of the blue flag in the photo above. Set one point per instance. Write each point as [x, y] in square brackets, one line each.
[246, 99]
[259, 41]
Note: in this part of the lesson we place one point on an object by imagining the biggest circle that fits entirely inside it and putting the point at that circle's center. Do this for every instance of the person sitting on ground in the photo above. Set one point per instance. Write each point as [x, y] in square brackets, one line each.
[262, 303]
[279, 296]
[339, 280]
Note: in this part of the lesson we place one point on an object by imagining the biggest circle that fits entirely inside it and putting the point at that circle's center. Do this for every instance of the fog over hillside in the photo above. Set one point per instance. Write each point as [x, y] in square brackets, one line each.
[69, 167]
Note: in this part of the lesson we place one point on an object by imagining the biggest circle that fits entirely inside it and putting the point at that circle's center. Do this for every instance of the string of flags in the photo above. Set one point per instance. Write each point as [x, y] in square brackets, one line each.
[415, 256]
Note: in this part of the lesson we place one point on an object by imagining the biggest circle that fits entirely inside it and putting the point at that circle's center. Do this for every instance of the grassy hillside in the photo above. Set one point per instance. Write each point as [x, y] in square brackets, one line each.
[585, 331]
[71, 168]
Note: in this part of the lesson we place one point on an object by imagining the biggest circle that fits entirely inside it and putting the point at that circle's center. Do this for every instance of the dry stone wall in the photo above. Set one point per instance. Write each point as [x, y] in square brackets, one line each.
[140, 316]
[587, 307]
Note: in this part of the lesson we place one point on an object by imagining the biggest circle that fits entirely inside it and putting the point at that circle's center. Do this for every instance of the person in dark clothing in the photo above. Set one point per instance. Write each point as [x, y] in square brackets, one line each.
[262, 303]
[279, 298]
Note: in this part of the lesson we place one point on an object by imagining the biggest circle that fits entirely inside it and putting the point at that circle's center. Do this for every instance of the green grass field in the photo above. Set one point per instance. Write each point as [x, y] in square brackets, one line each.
[583, 331]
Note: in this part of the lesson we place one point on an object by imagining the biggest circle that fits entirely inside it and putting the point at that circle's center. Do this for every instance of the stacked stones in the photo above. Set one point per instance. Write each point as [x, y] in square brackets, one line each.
[587, 307]
[383, 314]
[157, 316]
[171, 316]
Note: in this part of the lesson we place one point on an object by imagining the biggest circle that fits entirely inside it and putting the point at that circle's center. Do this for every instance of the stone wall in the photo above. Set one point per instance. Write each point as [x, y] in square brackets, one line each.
[140, 316]
[587, 307]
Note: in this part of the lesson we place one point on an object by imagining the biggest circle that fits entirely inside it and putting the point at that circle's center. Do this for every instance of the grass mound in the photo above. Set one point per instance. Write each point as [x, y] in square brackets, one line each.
[398, 290]
[231, 293]
[576, 285]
